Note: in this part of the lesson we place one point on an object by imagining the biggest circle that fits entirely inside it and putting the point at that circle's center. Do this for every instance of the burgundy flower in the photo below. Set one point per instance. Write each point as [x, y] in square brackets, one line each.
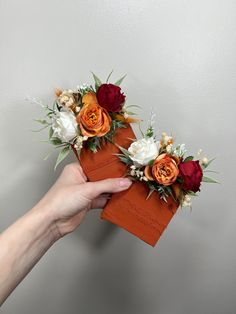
[191, 173]
[110, 97]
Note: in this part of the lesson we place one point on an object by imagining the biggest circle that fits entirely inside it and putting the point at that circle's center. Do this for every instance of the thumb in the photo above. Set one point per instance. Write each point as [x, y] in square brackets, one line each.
[94, 189]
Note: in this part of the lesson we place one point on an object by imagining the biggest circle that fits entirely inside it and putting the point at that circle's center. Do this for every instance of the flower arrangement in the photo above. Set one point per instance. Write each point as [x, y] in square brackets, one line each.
[93, 121]
[165, 168]
[86, 117]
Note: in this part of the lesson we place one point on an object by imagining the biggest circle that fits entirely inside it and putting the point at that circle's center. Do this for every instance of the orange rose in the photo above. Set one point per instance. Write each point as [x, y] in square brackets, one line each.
[93, 120]
[165, 170]
[148, 173]
[89, 99]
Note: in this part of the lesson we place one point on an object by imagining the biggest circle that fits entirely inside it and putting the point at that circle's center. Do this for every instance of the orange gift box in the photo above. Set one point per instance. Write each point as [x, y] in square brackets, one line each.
[145, 218]
[104, 163]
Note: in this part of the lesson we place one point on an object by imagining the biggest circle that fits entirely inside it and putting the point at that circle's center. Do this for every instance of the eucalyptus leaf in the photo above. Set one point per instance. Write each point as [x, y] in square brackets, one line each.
[209, 162]
[97, 81]
[209, 180]
[150, 193]
[39, 130]
[129, 106]
[50, 132]
[58, 107]
[50, 113]
[55, 104]
[55, 141]
[213, 171]
[171, 193]
[123, 150]
[120, 80]
[109, 137]
[42, 121]
[124, 159]
[107, 80]
[62, 155]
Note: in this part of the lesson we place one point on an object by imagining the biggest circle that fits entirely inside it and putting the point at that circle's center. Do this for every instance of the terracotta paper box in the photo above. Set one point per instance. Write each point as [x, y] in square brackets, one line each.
[145, 218]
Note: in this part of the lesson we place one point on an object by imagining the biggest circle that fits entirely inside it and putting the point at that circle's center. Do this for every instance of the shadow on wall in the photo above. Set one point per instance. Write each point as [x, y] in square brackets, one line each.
[96, 232]
[107, 285]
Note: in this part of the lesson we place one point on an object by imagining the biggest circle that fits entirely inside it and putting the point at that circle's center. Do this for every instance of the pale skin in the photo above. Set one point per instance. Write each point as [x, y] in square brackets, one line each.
[57, 214]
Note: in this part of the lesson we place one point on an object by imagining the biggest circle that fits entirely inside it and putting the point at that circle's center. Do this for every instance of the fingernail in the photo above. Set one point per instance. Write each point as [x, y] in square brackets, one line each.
[125, 183]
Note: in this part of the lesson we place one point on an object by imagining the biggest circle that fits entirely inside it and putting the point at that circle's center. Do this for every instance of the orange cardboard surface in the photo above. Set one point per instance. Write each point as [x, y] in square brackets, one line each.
[104, 163]
[145, 218]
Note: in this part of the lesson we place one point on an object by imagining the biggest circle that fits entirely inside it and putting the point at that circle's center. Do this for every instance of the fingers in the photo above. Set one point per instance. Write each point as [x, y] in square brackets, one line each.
[93, 189]
[73, 174]
[99, 202]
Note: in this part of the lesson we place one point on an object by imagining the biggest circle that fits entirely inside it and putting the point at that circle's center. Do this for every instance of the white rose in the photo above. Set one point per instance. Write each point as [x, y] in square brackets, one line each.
[64, 126]
[144, 150]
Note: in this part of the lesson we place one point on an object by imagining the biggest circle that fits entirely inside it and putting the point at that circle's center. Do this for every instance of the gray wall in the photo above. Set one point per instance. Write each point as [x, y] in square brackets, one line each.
[180, 59]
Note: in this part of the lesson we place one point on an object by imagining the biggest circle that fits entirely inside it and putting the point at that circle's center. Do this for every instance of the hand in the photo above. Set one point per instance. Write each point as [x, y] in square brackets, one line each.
[72, 196]
[59, 212]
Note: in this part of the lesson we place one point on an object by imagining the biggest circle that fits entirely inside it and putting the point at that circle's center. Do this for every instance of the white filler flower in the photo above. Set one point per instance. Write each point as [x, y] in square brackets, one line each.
[64, 126]
[187, 201]
[144, 150]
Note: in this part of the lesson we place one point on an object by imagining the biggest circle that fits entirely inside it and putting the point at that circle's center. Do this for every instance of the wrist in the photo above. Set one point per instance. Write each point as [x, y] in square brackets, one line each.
[45, 218]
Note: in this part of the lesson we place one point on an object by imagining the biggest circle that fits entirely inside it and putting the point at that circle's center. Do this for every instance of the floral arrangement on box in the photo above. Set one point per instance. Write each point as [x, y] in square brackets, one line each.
[93, 121]
[165, 168]
[88, 116]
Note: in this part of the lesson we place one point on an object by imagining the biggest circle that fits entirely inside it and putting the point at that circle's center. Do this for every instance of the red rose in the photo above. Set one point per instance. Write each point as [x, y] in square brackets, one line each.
[110, 97]
[191, 173]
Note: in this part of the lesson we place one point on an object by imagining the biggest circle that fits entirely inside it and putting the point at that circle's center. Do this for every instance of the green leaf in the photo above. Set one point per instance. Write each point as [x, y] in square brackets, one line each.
[209, 180]
[124, 159]
[50, 132]
[109, 76]
[43, 122]
[97, 81]
[55, 141]
[136, 106]
[124, 151]
[209, 162]
[150, 193]
[149, 132]
[150, 163]
[120, 80]
[189, 158]
[39, 130]
[92, 146]
[213, 171]
[50, 113]
[56, 106]
[179, 180]
[62, 155]
[109, 138]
